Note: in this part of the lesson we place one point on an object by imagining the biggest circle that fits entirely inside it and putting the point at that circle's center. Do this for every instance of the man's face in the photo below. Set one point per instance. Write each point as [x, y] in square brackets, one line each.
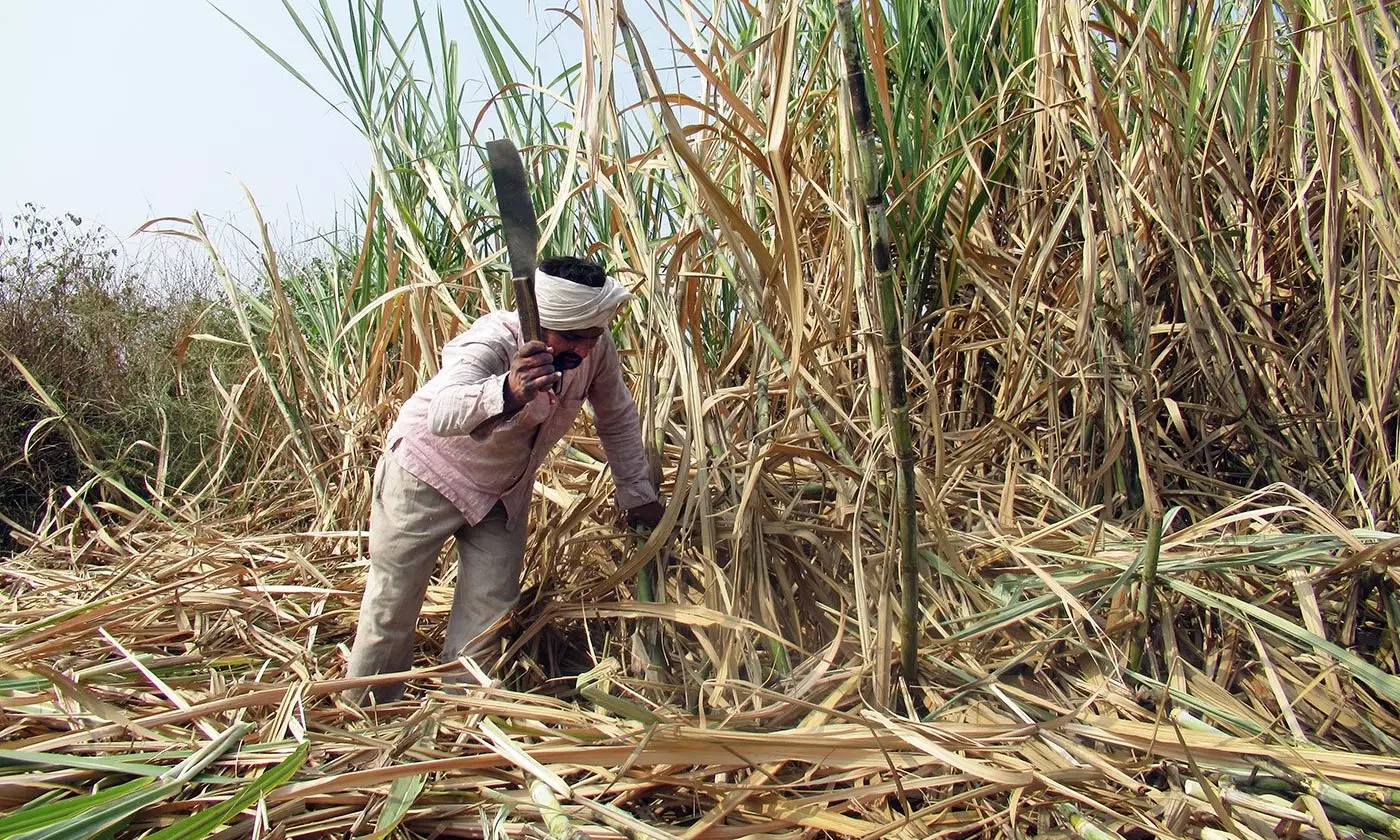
[571, 347]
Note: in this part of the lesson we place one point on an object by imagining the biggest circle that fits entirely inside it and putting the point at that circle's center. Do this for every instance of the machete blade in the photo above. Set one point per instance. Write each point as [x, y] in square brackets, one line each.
[522, 232]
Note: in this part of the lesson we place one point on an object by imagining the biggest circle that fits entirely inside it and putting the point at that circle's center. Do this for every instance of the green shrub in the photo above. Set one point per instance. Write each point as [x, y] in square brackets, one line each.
[93, 381]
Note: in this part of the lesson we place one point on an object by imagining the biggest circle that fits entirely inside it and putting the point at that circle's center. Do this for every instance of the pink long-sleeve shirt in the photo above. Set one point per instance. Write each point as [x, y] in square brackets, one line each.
[451, 434]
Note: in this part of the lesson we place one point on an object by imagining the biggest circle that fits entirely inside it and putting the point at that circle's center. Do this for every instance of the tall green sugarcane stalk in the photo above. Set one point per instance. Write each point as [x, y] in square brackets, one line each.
[881, 268]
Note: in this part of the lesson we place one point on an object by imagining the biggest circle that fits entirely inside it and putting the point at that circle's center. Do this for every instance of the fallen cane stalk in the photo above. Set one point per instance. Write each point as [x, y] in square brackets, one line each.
[1272, 806]
[1084, 827]
[1383, 797]
[1347, 807]
[208, 754]
[556, 822]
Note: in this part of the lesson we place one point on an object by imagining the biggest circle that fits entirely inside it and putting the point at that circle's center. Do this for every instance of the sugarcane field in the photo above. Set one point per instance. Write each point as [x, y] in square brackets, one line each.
[744, 419]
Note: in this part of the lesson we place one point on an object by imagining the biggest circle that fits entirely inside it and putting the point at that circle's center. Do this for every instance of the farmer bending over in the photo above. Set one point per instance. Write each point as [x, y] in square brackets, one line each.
[461, 461]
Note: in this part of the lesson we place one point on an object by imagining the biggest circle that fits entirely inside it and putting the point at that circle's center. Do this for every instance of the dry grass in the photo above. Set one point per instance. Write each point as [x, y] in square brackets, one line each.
[139, 644]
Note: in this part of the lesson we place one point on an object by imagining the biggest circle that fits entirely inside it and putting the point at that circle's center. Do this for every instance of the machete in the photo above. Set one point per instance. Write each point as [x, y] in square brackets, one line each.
[522, 232]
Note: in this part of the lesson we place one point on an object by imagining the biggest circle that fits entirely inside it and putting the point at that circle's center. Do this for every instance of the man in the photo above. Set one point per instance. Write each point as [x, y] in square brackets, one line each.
[461, 461]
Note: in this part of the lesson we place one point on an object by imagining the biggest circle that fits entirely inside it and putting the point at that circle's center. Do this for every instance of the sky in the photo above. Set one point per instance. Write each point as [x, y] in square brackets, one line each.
[120, 112]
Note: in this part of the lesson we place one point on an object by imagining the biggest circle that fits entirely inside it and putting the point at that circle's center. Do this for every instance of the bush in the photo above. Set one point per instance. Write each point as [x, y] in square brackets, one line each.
[91, 381]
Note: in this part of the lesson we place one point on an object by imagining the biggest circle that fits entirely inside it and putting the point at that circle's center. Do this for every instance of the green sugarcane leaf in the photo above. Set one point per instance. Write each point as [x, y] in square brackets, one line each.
[1384, 684]
[99, 821]
[402, 794]
[91, 816]
[118, 766]
[44, 798]
[80, 762]
[95, 815]
[202, 823]
[30, 819]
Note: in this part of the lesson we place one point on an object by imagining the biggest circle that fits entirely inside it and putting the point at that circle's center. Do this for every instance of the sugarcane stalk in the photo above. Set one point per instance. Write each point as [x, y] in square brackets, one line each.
[762, 408]
[650, 590]
[556, 823]
[206, 755]
[1279, 777]
[1341, 805]
[872, 192]
[1346, 808]
[1384, 797]
[1147, 592]
[1269, 805]
[1082, 826]
[1191, 723]
[1392, 609]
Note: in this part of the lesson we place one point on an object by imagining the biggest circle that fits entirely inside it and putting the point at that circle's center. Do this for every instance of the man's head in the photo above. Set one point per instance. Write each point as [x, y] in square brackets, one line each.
[575, 270]
[576, 300]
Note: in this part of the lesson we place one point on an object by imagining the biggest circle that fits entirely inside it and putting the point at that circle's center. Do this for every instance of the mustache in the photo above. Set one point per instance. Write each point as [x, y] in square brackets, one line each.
[568, 360]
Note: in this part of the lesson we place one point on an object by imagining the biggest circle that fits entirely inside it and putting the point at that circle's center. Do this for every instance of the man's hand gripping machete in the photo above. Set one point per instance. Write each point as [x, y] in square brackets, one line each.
[521, 232]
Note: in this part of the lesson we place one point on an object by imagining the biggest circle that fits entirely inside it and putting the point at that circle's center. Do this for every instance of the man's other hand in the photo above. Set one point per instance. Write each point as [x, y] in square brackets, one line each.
[531, 371]
[648, 514]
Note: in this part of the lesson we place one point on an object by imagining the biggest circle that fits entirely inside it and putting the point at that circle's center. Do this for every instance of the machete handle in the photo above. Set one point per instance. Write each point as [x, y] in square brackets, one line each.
[529, 312]
[526, 307]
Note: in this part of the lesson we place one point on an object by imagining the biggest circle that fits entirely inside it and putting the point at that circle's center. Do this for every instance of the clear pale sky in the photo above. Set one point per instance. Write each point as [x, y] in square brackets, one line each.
[123, 111]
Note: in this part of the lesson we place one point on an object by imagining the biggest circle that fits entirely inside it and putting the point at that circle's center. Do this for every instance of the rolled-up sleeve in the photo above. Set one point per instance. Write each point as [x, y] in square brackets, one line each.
[473, 388]
[620, 429]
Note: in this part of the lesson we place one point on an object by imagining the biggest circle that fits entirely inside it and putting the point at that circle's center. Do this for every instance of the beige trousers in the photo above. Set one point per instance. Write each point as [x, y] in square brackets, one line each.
[408, 524]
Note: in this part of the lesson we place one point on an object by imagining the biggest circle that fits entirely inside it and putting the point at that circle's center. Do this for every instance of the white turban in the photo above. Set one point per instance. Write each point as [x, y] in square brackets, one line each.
[566, 305]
